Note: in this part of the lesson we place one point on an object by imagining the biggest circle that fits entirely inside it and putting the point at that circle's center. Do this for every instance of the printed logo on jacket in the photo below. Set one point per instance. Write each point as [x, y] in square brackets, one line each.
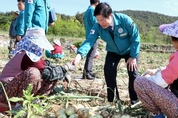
[30, 1]
[92, 31]
[121, 32]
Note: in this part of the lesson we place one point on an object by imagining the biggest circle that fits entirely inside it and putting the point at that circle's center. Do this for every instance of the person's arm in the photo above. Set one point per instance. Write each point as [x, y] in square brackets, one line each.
[47, 15]
[52, 16]
[10, 29]
[170, 73]
[158, 79]
[150, 72]
[134, 36]
[86, 45]
[92, 17]
[29, 9]
[89, 42]
[134, 42]
[20, 26]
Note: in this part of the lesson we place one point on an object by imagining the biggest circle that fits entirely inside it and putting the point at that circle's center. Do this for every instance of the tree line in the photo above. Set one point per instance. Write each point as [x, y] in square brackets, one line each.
[73, 26]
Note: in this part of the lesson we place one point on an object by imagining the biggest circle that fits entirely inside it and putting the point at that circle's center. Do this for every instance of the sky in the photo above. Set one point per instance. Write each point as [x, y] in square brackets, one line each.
[71, 7]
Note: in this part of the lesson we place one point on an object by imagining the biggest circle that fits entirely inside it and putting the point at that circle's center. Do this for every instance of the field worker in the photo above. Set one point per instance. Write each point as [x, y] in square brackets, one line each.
[57, 52]
[73, 49]
[37, 14]
[89, 21]
[153, 91]
[122, 41]
[12, 34]
[19, 24]
[27, 66]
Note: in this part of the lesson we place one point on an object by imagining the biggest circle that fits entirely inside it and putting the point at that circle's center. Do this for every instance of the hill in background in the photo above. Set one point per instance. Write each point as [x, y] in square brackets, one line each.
[147, 22]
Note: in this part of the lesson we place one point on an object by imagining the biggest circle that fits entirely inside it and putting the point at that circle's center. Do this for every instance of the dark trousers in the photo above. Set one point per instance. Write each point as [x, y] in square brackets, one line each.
[110, 73]
[12, 44]
[89, 59]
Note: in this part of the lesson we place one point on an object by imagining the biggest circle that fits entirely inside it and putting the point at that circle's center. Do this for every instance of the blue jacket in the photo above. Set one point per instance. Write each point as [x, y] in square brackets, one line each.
[126, 37]
[12, 28]
[37, 14]
[19, 24]
[89, 20]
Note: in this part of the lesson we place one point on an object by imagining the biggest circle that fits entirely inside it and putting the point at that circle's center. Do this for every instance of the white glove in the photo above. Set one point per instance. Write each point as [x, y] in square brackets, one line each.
[68, 78]
[157, 79]
[71, 67]
[77, 59]
[150, 72]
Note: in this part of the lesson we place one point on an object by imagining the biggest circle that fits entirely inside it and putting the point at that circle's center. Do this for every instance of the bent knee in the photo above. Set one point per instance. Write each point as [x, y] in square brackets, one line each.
[139, 81]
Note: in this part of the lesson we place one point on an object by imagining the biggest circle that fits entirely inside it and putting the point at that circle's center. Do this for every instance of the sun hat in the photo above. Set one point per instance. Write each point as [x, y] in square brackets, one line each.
[57, 42]
[33, 43]
[170, 29]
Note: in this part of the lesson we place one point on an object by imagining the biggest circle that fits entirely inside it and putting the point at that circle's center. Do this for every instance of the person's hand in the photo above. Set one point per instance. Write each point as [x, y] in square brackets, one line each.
[131, 63]
[77, 59]
[51, 24]
[65, 84]
[150, 72]
[70, 66]
[18, 38]
[67, 80]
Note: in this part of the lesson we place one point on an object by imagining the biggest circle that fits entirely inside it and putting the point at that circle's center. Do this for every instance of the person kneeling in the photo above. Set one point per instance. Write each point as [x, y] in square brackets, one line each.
[152, 86]
[27, 67]
[57, 52]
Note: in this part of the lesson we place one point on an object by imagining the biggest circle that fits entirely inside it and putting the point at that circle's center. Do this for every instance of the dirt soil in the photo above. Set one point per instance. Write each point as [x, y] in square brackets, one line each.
[91, 87]
[96, 87]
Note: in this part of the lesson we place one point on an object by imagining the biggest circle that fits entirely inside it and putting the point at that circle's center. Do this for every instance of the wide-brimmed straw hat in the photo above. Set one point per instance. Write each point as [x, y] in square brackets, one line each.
[170, 29]
[33, 43]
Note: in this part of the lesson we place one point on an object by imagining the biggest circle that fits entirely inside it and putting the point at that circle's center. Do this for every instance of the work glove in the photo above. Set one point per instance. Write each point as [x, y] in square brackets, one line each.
[73, 49]
[67, 80]
[71, 67]
[157, 79]
[150, 72]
